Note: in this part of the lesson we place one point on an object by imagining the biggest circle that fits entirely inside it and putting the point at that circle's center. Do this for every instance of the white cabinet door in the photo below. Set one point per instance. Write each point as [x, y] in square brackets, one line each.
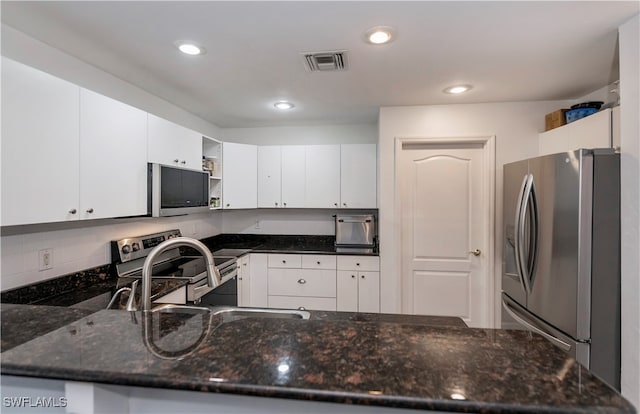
[358, 181]
[244, 281]
[347, 291]
[240, 172]
[593, 131]
[322, 176]
[369, 292]
[113, 158]
[293, 176]
[258, 281]
[40, 136]
[172, 144]
[269, 177]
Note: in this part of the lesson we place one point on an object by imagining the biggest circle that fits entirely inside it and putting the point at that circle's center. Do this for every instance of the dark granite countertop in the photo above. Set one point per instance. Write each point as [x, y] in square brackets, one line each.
[276, 243]
[343, 358]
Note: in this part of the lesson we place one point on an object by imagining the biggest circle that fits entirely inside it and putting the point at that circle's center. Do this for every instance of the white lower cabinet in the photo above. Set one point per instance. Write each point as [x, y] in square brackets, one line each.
[315, 282]
[358, 284]
[297, 281]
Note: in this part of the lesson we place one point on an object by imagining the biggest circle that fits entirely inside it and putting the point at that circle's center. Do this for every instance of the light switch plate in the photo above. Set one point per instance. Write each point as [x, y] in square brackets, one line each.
[45, 259]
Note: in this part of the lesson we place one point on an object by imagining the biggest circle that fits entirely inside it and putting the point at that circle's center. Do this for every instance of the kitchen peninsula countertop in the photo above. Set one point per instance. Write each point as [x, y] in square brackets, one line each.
[333, 357]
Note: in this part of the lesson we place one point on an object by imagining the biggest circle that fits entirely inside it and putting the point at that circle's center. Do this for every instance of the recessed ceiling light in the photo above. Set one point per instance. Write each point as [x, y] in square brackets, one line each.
[190, 48]
[283, 105]
[380, 35]
[457, 89]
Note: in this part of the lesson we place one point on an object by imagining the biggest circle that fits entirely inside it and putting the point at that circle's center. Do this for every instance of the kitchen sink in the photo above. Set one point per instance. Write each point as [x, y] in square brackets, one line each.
[229, 314]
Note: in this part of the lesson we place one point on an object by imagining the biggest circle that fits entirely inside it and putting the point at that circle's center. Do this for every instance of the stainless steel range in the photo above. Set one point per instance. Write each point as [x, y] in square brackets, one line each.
[130, 253]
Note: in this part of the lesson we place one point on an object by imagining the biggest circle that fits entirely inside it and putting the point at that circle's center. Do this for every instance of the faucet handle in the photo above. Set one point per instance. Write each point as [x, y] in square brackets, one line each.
[132, 306]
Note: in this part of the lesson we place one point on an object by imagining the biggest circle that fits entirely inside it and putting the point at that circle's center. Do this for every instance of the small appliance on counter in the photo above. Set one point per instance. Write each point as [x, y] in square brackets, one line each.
[355, 233]
[130, 253]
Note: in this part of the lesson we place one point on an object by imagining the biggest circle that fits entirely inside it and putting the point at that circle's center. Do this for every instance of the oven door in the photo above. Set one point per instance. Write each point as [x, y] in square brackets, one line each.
[227, 293]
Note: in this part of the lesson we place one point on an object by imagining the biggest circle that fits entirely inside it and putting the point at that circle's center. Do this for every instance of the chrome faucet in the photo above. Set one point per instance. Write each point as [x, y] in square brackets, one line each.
[213, 275]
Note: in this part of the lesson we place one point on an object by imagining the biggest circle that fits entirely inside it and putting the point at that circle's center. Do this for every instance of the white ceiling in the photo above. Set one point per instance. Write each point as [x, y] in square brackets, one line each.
[509, 51]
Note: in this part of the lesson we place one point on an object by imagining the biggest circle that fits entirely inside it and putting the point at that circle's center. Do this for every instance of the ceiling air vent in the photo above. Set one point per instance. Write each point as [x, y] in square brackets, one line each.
[325, 61]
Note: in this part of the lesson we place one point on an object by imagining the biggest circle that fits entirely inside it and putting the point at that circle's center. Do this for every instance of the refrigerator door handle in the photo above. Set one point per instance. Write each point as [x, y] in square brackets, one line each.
[558, 342]
[534, 234]
[517, 245]
[520, 233]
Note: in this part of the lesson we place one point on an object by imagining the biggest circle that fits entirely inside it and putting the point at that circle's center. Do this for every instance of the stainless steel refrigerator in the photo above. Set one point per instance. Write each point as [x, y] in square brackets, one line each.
[561, 267]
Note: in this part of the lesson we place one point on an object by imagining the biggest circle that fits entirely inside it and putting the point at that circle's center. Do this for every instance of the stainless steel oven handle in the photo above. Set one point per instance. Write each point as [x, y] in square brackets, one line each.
[559, 343]
[199, 289]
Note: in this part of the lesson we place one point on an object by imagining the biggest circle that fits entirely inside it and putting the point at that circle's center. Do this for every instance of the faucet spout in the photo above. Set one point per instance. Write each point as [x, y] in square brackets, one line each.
[213, 275]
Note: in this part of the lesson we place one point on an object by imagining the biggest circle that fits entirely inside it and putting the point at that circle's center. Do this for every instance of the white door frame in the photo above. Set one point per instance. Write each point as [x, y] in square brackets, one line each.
[489, 180]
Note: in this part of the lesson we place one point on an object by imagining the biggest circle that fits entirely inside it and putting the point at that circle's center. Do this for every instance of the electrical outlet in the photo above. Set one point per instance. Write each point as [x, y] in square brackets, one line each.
[257, 224]
[45, 259]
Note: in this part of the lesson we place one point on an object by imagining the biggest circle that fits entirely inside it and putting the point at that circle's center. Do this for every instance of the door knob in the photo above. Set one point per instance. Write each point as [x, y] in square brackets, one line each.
[476, 252]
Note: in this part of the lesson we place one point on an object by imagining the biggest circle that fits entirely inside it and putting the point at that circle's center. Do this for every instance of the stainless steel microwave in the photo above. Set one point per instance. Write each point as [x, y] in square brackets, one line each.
[176, 191]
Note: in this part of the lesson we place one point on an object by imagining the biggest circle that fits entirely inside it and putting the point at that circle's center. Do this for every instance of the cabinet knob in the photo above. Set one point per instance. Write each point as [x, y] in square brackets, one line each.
[362, 276]
[302, 281]
[284, 261]
[357, 264]
[285, 204]
[344, 204]
[335, 204]
[72, 211]
[239, 278]
[89, 210]
[353, 276]
[318, 262]
[244, 264]
[176, 160]
[276, 204]
[228, 204]
[183, 162]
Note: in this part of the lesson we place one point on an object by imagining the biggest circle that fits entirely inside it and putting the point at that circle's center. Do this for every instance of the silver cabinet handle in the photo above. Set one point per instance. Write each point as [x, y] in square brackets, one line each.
[73, 211]
[89, 210]
[476, 252]
[302, 308]
[302, 281]
[176, 160]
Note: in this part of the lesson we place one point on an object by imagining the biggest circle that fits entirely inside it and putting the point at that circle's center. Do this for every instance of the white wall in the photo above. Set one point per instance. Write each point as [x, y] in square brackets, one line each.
[284, 221]
[630, 214]
[516, 126]
[81, 246]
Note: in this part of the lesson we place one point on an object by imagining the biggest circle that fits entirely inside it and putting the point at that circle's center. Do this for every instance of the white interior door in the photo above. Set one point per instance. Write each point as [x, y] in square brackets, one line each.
[444, 209]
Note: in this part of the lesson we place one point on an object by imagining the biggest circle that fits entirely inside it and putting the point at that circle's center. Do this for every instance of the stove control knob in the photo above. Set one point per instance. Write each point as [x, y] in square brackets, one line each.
[135, 246]
[126, 249]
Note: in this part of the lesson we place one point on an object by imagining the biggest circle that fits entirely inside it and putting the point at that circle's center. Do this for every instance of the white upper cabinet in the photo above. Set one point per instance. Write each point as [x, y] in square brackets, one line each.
[293, 176]
[240, 172]
[269, 177]
[358, 175]
[322, 176]
[113, 158]
[40, 145]
[593, 131]
[172, 144]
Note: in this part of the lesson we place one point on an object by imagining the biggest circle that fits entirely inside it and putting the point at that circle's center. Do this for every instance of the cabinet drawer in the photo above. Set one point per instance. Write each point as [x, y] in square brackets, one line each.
[298, 282]
[297, 302]
[287, 261]
[361, 263]
[318, 261]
